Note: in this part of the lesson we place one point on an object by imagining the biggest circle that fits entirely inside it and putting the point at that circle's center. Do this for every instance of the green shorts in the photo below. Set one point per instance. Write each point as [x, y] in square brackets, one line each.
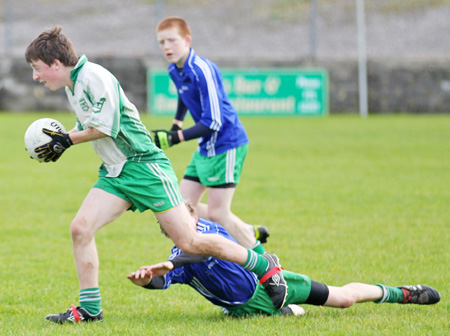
[147, 185]
[217, 170]
[299, 288]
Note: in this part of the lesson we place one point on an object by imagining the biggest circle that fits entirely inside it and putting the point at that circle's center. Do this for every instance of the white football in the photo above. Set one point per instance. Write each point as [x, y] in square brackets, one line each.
[34, 137]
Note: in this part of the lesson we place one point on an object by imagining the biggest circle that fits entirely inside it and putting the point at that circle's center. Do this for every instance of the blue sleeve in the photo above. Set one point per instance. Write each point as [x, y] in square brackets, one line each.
[187, 259]
[181, 110]
[197, 131]
[211, 98]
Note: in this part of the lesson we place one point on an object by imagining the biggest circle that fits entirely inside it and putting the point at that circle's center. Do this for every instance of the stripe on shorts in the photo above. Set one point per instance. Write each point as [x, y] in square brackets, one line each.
[230, 164]
[168, 185]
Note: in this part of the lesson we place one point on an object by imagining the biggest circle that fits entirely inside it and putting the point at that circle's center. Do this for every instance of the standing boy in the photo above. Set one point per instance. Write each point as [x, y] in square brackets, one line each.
[134, 174]
[222, 139]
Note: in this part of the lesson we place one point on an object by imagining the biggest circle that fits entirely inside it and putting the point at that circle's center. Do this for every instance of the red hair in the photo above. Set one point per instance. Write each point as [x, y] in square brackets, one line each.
[174, 22]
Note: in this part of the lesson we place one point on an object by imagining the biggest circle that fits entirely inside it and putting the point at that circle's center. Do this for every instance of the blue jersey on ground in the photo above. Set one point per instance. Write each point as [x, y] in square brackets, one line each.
[224, 283]
[199, 85]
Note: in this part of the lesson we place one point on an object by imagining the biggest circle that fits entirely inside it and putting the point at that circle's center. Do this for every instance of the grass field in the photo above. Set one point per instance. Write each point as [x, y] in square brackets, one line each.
[346, 199]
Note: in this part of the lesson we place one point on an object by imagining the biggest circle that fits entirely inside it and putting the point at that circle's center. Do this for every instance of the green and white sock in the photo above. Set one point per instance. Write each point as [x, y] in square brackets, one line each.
[258, 248]
[255, 263]
[90, 300]
[390, 294]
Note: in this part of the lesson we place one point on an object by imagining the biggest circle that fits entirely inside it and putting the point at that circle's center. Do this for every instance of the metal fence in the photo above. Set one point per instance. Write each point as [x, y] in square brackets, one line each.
[254, 29]
[251, 33]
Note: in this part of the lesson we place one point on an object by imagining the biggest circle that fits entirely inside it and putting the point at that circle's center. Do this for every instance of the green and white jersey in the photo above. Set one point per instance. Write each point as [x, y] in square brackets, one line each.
[99, 102]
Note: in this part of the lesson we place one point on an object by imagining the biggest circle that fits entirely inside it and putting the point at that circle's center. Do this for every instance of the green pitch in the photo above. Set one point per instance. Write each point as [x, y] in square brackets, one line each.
[346, 199]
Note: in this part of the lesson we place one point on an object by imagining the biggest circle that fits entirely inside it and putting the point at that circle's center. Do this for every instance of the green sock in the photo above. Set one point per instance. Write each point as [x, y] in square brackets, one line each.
[90, 300]
[258, 248]
[255, 263]
[390, 294]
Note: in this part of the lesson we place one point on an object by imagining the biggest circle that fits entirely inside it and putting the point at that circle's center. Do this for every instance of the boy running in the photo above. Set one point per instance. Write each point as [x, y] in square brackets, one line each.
[134, 174]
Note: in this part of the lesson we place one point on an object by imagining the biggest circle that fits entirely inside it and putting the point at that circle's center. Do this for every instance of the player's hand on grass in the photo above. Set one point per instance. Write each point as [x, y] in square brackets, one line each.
[159, 269]
[141, 277]
[53, 150]
[165, 139]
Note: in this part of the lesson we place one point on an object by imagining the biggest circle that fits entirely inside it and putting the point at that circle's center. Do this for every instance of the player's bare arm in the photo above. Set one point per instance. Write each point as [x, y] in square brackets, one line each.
[86, 135]
[159, 269]
[166, 266]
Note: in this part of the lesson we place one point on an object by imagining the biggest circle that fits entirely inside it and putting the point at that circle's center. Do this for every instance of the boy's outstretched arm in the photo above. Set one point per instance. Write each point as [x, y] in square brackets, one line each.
[142, 277]
[151, 277]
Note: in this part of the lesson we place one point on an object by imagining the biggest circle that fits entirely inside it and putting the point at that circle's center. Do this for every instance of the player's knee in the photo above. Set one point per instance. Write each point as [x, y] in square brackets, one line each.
[342, 301]
[348, 297]
[217, 215]
[79, 230]
[347, 302]
[193, 245]
[188, 248]
[185, 243]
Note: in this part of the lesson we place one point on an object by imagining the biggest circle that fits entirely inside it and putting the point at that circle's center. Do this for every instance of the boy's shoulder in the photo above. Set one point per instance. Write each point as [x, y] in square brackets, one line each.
[91, 73]
[91, 67]
[199, 61]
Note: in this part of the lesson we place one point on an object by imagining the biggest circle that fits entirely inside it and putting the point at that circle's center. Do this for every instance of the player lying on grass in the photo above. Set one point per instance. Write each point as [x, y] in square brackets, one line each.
[134, 174]
[238, 292]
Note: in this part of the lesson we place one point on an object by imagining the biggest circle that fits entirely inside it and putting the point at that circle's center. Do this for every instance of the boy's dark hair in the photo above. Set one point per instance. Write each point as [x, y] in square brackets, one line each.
[51, 45]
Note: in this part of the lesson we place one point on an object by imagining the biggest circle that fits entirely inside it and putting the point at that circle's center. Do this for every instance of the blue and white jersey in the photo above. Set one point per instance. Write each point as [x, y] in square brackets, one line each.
[199, 85]
[224, 283]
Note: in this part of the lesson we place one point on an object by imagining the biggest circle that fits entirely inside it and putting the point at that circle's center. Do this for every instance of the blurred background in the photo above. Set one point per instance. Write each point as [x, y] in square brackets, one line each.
[399, 48]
